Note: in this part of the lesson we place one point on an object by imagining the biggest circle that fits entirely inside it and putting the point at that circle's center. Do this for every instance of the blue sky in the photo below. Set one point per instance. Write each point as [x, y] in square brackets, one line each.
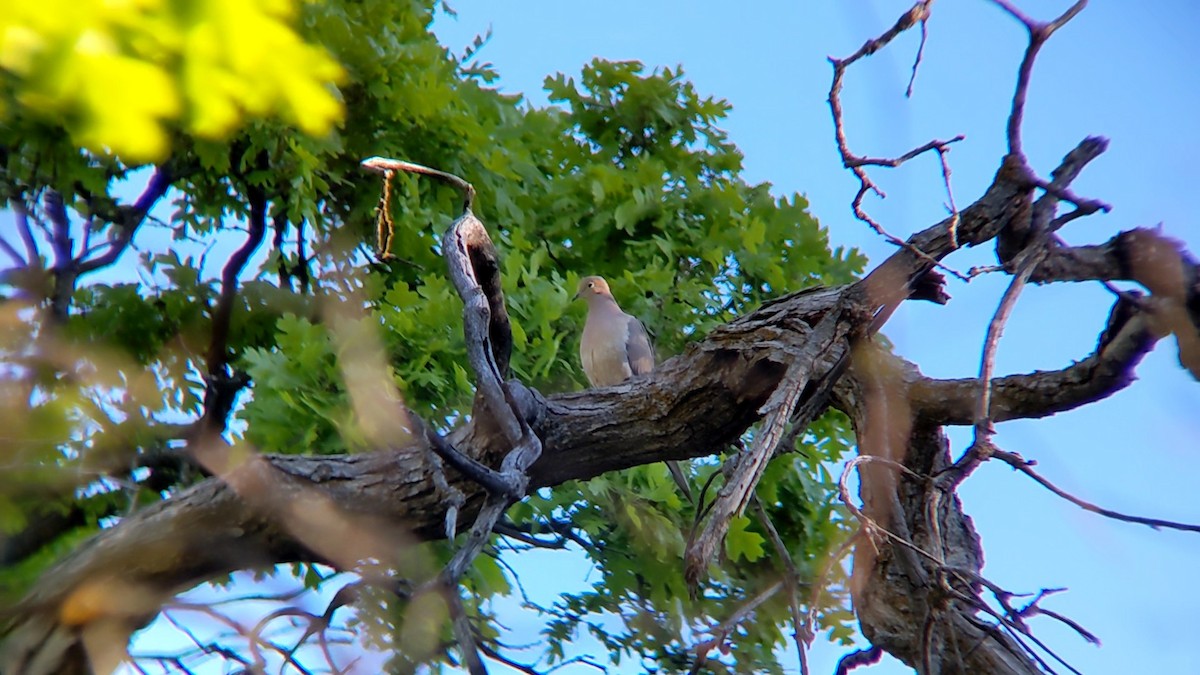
[1124, 73]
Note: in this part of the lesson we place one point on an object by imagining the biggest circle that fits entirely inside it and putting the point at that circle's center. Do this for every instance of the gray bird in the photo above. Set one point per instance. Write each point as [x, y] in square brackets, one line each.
[615, 347]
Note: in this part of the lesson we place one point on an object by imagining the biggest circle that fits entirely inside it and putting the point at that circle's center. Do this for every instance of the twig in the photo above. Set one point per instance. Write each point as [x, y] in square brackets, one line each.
[722, 630]
[1025, 466]
[893, 162]
[515, 665]
[227, 653]
[919, 12]
[1016, 630]
[920, 50]
[814, 599]
[954, 217]
[1038, 34]
[1083, 632]
[510, 530]
[984, 269]
[791, 580]
[869, 524]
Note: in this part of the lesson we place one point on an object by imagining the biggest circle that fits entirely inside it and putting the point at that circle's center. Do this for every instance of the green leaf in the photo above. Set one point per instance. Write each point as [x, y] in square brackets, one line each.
[742, 543]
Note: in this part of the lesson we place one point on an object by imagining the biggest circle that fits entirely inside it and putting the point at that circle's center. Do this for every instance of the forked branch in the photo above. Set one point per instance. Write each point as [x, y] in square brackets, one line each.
[475, 270]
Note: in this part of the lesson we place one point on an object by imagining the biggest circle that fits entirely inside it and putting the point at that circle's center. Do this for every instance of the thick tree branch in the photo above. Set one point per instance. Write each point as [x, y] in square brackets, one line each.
[24, 229]
[1015, 238]
[1154, 261]
[748, 468]
[1107, 370]
[892, 603]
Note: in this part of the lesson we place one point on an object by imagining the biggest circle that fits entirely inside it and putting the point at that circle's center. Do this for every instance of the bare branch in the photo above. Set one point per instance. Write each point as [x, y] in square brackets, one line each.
[791, 581]
[939, 146]
[981, 447]
[733, 497]
[1038, 34]
[1036, 249]
[917, 13]
[129, 219]
[721, 631]
[23, 228]
[474, 268]
[1109, 369]
[920, 50]
[1026, 467]
[822, 581]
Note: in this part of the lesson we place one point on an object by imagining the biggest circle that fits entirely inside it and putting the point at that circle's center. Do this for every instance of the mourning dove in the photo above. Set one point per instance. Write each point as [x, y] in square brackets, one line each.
[615, 347]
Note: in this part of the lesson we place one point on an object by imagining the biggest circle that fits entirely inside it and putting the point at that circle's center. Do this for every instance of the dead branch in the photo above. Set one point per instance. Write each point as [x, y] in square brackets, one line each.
[1039, 33]
[475, 270]
[919, 13]
[733, 497]
[791, 581]
[1025, 466]
[1126, 340]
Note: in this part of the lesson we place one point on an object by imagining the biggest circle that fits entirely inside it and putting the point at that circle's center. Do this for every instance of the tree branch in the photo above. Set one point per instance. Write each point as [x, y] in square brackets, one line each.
[129, 218]
[1039, 33]
[827, 336]
[1026, 467]
[1107, 370]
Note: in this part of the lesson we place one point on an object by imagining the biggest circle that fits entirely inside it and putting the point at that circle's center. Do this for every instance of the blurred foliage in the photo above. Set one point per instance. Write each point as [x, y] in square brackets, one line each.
[120, 77]
[628, 175]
